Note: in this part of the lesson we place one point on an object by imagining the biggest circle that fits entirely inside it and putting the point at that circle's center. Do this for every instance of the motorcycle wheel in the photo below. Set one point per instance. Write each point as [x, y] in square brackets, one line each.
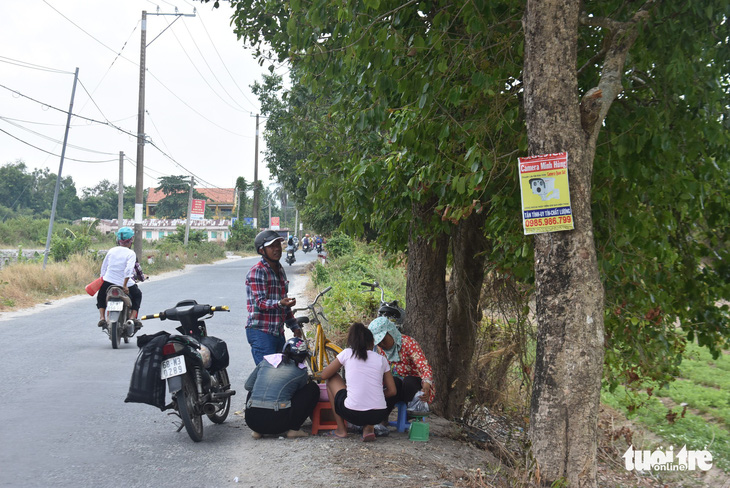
[115, 333]
[220, 416]
[186, 399]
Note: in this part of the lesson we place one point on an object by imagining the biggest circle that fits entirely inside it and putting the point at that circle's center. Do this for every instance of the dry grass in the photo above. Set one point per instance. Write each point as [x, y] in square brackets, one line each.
[26, 284]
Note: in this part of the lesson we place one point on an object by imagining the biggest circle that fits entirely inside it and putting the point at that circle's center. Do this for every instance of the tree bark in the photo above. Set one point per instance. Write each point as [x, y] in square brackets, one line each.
[469, 246]
[569, 293]
[426, 316]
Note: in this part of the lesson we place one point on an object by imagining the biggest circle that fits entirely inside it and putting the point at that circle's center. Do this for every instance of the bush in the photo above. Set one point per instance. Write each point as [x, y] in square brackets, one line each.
[241, 238]
[348, 302]
[340, 245]
[63, 247]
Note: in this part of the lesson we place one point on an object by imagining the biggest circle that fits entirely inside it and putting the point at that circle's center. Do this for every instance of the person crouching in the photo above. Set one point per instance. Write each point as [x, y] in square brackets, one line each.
[281, 396]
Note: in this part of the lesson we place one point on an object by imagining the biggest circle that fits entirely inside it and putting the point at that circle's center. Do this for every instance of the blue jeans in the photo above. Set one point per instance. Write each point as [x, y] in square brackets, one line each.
[263, 344]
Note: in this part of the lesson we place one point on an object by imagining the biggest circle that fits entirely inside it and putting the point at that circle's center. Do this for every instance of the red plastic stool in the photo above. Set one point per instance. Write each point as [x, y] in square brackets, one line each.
[318, 423]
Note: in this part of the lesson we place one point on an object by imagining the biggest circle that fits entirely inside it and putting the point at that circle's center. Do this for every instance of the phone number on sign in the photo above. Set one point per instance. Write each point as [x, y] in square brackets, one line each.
[563, 219]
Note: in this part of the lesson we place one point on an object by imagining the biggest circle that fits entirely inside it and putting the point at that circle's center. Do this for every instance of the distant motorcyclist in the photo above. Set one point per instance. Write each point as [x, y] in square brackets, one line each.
[118, 268]
[305, 241]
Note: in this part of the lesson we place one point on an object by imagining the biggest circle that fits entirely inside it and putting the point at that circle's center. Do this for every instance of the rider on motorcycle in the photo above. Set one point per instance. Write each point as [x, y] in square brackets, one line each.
[305, 241]
[119, 266]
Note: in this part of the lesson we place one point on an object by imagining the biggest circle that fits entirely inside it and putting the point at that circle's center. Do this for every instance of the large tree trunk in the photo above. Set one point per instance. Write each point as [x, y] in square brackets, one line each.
[569, 293]
[426, 313]
[469, 246]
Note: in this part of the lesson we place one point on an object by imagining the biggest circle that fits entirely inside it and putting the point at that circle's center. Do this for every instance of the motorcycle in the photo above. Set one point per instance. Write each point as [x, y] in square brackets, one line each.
[306, 247]
[194, 366]
[392, 309]
[118, 309]
[318, 247]
[290, 255]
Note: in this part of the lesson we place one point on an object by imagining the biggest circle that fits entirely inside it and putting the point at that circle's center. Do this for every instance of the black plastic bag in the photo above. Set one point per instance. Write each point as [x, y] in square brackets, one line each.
[146, 385]
[218, 352]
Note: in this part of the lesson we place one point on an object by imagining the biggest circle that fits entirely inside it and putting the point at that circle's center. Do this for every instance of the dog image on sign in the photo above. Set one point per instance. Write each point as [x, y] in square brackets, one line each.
[544, 188]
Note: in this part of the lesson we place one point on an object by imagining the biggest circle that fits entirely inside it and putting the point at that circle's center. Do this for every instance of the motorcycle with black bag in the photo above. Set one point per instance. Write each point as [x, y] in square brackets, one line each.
[192, 363]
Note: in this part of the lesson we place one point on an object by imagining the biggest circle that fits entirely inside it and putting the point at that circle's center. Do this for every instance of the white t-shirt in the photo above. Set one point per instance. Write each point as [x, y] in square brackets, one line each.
[364, 380]
[118, 264]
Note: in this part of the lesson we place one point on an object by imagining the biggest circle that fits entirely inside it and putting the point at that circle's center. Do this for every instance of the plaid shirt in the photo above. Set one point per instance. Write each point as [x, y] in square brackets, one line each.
[264, 289]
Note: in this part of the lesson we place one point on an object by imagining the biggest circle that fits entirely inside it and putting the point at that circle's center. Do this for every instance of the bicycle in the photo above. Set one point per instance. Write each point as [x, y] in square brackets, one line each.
[324, 351]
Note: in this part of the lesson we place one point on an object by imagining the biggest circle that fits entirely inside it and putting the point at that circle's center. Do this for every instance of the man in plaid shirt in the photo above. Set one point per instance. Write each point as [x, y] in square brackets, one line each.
[266, 299]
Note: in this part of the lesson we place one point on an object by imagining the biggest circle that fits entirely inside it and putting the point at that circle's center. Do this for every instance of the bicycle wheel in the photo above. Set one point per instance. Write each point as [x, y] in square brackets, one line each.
[224, 384]
[186, 400]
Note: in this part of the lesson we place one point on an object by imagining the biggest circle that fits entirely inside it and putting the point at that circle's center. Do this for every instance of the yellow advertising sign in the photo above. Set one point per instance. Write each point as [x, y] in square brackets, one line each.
[545, 193]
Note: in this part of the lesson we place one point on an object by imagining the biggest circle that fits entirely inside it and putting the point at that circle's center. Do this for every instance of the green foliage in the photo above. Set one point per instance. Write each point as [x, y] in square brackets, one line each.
[392, 107]
[339, 245]
[63, 247]
[177, 196]
[241, 238]
[178, 237]
[689, 429]
[24, 230]
[348, 301]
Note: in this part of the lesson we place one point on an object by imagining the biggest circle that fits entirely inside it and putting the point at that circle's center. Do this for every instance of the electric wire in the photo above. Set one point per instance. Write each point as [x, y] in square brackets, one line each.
[225, 66]
[52, 154]
[25, 64]
[48, 138]
[239, 108]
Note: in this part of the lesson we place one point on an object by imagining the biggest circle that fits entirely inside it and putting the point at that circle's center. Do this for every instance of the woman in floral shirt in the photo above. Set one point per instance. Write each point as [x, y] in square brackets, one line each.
[409, 366]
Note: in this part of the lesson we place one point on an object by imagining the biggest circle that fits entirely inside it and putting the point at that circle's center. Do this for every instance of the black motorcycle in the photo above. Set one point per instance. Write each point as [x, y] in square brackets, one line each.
[193, 364]
[392, 310]
[306, 248]
[118, 310]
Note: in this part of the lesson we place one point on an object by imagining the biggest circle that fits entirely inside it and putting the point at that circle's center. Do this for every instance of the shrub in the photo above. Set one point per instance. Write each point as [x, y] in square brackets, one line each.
[340, 245]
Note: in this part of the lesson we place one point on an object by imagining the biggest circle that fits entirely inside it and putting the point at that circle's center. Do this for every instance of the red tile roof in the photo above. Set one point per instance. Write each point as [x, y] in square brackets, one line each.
[212, 195]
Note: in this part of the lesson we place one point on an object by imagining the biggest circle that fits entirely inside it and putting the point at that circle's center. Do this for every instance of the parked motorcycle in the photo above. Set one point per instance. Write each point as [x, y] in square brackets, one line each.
[194, 366]
[392, 309]
[290, 255]
[118, 309]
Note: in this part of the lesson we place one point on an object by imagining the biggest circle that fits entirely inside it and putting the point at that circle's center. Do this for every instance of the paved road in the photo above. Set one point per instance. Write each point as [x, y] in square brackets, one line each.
[62, 411]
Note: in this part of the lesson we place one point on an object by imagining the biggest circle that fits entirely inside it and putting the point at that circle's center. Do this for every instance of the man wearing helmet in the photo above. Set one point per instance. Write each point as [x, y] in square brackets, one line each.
[266, 299]
[281, 396]
[120, 266]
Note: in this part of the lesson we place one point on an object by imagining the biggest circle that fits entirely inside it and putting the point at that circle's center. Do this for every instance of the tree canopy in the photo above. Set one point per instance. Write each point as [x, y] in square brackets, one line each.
[394, 103]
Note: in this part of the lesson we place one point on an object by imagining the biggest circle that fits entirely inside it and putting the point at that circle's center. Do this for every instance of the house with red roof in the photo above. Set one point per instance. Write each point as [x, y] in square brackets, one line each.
[222, 201]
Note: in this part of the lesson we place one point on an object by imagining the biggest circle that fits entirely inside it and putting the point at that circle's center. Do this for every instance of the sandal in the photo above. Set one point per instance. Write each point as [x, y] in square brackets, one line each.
[102, 323]
[368, 437]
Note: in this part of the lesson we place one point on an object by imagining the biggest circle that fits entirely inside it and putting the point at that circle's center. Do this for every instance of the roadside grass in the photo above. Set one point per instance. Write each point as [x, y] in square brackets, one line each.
[25, 283]
[704, 389]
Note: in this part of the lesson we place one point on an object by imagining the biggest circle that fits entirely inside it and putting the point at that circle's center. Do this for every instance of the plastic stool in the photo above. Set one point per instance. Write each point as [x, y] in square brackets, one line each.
[402, 423]
[318, 423]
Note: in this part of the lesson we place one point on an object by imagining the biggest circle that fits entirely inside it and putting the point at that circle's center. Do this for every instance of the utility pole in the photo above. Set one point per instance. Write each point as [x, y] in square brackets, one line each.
[139, 195]
[60, 169]
[190, 210]
[120, 209]
[256, 177]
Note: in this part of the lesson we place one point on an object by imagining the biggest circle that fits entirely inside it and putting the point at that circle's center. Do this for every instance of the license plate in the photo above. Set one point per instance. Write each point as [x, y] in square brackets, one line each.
[115, 306]
[173, 367]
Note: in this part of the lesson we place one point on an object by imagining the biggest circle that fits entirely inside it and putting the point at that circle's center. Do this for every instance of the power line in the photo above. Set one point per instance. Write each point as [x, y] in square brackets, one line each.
[25, 64]
[52, 154]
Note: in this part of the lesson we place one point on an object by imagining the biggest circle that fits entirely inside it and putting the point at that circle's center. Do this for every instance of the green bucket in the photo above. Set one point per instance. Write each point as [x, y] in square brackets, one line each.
[418, 431]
